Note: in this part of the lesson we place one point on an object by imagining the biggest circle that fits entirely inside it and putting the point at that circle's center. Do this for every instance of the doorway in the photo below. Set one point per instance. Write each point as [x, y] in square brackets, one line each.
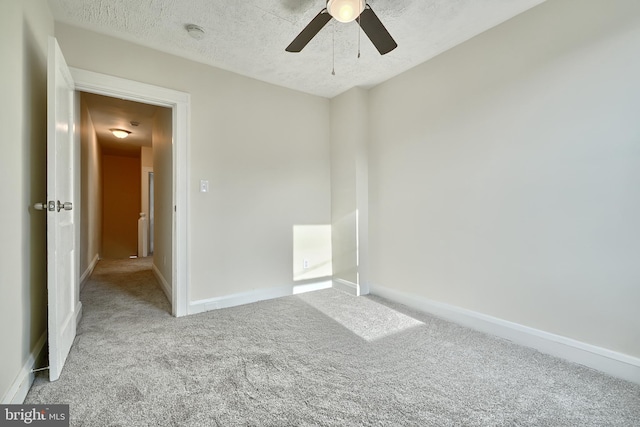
[171, 268]
[116, 192]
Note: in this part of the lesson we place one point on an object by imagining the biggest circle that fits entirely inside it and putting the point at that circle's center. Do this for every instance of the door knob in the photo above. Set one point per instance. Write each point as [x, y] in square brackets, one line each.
[51, 206]
[46, 206]
[67, 206]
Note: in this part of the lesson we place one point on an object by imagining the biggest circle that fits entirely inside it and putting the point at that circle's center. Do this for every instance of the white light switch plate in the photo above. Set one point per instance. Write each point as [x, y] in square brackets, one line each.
[204, 186]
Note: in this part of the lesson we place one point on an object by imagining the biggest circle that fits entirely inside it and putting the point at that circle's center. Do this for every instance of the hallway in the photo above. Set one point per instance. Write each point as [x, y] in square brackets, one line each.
[119, 288]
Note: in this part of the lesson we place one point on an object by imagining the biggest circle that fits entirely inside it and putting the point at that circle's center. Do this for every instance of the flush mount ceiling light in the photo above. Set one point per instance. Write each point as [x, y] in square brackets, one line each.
[345, 10]
[120, 133]
[195, 31]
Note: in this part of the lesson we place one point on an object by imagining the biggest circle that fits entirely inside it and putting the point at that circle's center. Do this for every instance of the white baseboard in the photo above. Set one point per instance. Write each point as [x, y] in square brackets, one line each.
[166, 287]
[242, 298]
[20, 387]
[346, 286]
[610, 362]
[88, 271]
[310, 287]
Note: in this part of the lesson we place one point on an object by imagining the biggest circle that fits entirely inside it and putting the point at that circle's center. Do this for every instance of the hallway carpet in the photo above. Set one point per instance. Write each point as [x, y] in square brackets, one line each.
[321, 358]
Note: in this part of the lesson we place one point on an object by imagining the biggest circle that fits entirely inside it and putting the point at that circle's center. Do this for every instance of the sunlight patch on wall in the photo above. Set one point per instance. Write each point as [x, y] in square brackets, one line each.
[311, 252]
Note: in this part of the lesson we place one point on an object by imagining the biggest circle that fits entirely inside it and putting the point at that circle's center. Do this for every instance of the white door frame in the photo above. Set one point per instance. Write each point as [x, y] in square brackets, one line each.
[145, 197]
[179, 102]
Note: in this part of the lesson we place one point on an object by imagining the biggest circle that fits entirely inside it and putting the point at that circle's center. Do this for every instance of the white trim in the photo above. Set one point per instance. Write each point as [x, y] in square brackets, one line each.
[310, 287]
[20, 387]
[103, 84]
[144, 183]
[88, 271]
[179, 102]
[249, 297]
[164, 285]
[346, 286]
[144, 205]
[181, 233]
[241, 298]
[610, 362]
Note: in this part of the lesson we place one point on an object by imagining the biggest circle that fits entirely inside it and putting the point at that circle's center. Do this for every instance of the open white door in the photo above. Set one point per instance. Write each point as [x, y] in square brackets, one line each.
[62, 201]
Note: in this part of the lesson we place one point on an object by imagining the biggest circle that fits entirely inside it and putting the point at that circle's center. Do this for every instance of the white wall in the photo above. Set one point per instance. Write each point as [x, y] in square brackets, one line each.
[311, 252]
[505, 174]
[264, 150]
[163, 193]
[24, 28]
[91, 195]
[349, 177]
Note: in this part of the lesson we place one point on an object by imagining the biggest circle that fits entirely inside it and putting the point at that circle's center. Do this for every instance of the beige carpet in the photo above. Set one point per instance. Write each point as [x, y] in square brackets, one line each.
[322, 358]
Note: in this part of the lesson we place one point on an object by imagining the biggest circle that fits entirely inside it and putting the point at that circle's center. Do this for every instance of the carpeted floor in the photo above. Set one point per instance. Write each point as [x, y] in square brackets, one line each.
[322, 358]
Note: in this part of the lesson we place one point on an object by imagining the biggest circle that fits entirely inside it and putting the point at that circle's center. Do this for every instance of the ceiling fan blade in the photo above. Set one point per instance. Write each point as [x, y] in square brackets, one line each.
[376, 32]
[309, 31]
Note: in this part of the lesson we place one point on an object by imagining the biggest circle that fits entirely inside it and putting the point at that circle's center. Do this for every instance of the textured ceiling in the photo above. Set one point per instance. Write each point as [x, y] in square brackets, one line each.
[113, 113]
[249, 36]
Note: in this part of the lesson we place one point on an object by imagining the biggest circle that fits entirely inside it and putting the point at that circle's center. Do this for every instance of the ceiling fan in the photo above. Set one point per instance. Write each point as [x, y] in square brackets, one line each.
[347, 11]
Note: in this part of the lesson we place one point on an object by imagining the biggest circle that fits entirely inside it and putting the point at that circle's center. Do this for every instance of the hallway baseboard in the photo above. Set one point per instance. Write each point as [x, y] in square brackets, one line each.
[88, 271]
[166, 287]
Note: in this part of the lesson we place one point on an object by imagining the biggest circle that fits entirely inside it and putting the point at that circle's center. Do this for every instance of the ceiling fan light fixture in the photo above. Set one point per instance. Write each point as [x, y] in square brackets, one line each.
[345, 10]
[120, 133]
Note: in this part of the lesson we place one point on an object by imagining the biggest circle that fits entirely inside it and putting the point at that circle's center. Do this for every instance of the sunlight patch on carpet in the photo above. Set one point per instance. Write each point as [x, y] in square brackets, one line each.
[362, 316]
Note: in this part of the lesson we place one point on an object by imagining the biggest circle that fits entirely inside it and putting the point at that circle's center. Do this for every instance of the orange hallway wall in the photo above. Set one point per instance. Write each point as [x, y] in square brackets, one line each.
[121, 206]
